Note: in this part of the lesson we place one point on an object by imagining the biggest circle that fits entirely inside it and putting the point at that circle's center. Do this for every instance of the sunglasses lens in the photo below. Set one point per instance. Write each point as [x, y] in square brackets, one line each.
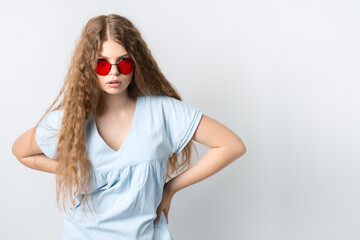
[103, 67]
[126, 66]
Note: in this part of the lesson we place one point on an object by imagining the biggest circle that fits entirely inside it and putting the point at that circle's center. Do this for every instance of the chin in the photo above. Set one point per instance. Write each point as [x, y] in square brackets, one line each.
[113, 91]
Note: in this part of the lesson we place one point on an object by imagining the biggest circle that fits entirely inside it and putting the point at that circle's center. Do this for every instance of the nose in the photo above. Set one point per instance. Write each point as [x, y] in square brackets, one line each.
[114, 70]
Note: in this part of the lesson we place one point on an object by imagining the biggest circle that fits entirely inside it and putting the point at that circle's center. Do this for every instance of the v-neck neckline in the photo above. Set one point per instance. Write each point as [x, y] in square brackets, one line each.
[128, 134]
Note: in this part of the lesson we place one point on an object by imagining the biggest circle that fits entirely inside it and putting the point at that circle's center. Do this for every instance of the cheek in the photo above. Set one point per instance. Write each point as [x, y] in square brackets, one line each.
[128, 77]
[100, 81]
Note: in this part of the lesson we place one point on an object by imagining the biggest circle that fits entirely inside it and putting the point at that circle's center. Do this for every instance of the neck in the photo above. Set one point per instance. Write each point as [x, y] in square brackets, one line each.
[117, 104]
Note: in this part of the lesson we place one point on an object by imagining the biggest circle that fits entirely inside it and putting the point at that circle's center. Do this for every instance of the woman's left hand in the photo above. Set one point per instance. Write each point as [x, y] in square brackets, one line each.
[165, 203]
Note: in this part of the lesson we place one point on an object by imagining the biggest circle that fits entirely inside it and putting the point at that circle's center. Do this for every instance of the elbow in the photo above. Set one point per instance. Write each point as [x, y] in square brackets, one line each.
[16, 151]
[240, 148]
[236, 147]
[17, 155]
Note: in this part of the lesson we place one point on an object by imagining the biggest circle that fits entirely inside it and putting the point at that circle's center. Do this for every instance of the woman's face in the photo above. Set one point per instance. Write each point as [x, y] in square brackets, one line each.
[113, 52]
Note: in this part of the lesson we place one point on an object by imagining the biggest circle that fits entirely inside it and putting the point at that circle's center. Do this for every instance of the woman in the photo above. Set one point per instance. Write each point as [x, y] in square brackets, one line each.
[116, 136]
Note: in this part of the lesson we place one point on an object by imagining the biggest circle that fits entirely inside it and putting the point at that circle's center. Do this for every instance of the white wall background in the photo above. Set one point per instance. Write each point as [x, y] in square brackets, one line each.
[283, 75]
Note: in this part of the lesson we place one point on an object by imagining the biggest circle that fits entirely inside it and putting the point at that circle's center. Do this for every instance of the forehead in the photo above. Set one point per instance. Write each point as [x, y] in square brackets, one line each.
[112, 50]
[117, 58]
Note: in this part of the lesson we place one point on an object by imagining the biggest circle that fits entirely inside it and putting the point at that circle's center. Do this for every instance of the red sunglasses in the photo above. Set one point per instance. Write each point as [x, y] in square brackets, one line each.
[125, 66]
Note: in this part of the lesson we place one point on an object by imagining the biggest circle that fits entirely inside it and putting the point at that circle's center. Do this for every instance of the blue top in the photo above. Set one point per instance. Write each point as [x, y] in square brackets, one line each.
[126, 185]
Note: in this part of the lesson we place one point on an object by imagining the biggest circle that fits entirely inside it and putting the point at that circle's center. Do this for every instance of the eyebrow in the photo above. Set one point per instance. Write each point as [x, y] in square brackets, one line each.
[117, 58]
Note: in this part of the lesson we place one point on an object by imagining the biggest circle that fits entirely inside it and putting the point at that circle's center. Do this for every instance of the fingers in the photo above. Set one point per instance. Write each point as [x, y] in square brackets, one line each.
[158, 213]
[156, 223]
[157, 220]
[166, 212]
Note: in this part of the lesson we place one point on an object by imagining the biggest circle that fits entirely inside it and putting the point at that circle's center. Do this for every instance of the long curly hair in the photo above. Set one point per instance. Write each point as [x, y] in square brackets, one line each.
[82, 96]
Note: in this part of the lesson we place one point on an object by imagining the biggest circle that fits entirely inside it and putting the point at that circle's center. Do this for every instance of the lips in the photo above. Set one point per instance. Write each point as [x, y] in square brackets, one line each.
[113, 81]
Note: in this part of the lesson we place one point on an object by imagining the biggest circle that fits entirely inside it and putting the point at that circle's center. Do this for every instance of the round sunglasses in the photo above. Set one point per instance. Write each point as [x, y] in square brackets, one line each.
[125, 66]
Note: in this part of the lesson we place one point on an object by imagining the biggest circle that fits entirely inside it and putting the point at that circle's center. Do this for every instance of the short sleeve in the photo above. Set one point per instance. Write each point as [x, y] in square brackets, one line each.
[181, 119]
[46, 134]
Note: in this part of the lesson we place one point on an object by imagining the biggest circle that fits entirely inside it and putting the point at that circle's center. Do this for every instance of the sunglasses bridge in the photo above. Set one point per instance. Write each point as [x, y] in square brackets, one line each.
[117, 66]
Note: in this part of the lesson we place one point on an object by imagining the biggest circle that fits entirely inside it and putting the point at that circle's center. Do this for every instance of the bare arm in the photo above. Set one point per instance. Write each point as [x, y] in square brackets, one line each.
[225, 146]
[26, 150]
[40, 162]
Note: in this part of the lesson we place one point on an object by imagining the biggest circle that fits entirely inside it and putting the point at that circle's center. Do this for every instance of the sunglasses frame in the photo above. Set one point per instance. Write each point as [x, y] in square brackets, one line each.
[117, 65]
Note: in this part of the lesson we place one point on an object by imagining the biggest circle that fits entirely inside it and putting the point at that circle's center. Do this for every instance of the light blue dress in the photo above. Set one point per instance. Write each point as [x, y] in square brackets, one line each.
[127, 184]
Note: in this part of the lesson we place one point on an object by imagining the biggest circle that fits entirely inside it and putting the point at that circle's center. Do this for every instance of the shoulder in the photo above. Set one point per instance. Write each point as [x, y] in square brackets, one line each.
[157, 97]
[167, 104]
[53, 119]
[56, 113]
[162, 99]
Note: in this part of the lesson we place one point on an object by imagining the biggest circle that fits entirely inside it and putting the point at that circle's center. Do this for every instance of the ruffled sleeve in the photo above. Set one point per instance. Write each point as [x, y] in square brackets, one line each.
[46, 134]
[181, 120]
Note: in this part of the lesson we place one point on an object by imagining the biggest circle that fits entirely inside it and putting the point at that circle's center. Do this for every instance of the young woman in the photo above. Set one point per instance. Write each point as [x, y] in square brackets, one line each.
[119, 133]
